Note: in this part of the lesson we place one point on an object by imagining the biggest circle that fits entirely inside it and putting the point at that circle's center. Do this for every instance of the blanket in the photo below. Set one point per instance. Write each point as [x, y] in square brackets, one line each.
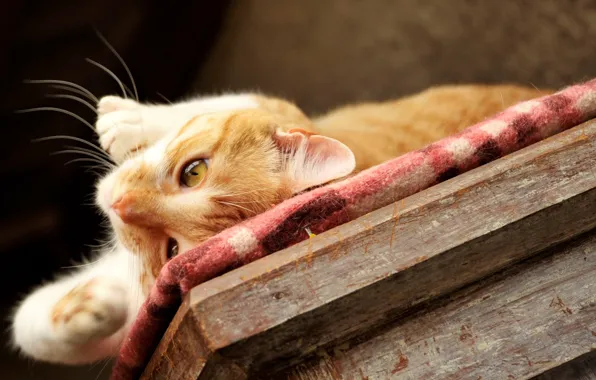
[326, 207]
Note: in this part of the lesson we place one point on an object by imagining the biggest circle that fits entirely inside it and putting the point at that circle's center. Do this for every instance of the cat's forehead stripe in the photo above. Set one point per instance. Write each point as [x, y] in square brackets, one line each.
[186, 126]
[200, 122]
[225, 131]
[208, 138]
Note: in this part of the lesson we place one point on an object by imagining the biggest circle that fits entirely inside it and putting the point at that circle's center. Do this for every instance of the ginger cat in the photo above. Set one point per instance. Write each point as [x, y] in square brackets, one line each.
[187, 171]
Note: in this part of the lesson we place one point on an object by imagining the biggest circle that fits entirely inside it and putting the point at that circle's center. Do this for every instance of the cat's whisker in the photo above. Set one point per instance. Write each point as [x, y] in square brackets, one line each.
[94, 365]
[255, 202]
[88, 167]
[79, 265]
[236, 194]
[102, 165]
[55, 109]
[72, 97]
[100, 170]
[86, 153]
[109, 46]
[96, 173]
[235, 205]
[107, 243]
[131, 153]
[65, 83]
[73, 90]
[164, 98]
[97, 154]
[125, 90]
[74, 138]
[107, 361]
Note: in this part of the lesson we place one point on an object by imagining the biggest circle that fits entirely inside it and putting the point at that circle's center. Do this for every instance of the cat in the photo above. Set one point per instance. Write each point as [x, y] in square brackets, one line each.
[188, 170]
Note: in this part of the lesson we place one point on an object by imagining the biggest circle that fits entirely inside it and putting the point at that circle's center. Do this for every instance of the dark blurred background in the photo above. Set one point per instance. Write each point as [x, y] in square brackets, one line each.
[320, 53]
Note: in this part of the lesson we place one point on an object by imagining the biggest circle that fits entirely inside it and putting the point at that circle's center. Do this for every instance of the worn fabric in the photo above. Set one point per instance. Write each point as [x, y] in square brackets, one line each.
[329, 206]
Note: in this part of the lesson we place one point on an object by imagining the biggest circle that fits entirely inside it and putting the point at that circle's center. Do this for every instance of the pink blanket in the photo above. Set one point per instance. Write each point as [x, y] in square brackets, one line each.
[329, 206]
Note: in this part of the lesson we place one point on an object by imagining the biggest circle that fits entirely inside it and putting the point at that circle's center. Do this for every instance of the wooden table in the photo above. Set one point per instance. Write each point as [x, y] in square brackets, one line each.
[490, 275]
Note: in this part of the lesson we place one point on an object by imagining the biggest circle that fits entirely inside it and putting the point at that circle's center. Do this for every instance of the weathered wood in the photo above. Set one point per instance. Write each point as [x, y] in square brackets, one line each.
[269, 314]
[514, 325]
[188, 356]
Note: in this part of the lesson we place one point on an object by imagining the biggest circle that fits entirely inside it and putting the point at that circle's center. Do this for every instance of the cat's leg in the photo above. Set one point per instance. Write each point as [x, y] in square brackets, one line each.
[126, 126]
[79, 318]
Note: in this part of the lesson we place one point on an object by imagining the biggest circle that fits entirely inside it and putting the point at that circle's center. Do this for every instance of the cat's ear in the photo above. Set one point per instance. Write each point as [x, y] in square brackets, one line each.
[311, 159]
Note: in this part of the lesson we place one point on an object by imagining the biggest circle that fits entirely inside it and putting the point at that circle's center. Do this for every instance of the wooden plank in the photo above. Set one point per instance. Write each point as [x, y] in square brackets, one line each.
[188, 356]
[515, 325]
[361, 274]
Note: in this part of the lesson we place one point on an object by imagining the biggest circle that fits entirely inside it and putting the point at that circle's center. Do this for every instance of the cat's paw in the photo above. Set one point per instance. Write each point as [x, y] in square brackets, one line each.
[93, 310]
[120, 127]
[111, 103]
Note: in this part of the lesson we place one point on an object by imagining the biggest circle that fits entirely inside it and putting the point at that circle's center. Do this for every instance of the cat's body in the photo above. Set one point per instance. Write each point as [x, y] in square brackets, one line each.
[189, 170]
[377, 132]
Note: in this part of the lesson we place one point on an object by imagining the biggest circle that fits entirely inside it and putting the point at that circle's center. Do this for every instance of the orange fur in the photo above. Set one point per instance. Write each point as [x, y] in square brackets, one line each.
[246, 168]
[377, 132]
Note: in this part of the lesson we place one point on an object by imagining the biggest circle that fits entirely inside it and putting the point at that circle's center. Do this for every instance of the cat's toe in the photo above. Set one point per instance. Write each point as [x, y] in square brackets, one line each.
[93, 310]
[112, 103]
[118, 119]
[120, 134]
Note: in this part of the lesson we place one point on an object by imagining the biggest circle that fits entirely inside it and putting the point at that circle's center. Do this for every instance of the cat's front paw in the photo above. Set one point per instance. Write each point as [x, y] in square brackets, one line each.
[111, 103]
[120, 127]
[93, 310]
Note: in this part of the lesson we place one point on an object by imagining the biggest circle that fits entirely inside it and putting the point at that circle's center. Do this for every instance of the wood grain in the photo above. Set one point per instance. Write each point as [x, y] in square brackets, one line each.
[519, 323]
[269, 314]
[187, 356]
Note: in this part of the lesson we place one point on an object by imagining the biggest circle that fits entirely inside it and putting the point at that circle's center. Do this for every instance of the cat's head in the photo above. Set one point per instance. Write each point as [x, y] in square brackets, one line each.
[215, 171]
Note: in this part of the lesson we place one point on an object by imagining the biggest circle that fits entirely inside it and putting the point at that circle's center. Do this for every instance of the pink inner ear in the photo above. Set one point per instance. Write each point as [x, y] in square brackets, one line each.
[301, 131]
[327, 148]
[289, 141]
[314, 159]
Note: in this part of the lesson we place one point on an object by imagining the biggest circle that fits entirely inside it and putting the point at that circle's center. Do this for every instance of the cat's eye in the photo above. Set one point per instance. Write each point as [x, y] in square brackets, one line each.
[172, 248]
[194, 173]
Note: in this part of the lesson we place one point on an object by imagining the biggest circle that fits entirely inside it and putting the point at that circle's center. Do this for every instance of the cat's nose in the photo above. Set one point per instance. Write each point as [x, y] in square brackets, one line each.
[138, 208]
[124, 208]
